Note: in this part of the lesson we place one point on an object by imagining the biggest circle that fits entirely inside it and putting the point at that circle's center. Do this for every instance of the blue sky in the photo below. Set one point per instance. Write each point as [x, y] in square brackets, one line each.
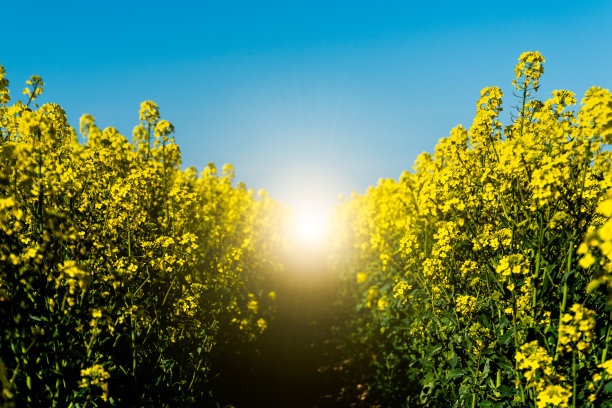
[307, 100]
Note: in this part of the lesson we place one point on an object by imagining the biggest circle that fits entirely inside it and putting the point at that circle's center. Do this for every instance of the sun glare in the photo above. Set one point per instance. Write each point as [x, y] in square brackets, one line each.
[310, 224]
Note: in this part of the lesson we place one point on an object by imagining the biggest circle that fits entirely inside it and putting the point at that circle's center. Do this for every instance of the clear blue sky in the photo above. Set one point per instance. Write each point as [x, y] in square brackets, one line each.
[305, 99]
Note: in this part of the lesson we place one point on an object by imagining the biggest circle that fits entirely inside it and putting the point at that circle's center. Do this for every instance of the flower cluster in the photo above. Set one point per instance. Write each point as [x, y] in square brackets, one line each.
[577, 329]
[490, 246]
[95, 376]
[113, 258]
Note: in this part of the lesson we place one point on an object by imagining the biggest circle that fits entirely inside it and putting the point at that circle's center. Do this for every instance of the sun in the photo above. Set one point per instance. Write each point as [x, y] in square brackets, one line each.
[310, 223]
[310, 226]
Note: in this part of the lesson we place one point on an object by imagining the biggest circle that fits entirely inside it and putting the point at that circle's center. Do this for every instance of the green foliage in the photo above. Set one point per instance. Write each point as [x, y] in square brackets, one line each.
[120, 274]
[464, 277]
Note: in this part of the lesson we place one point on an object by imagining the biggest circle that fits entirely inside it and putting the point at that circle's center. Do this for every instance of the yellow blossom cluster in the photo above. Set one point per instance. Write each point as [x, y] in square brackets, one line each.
[534, 360]
[577, 329]
[480, 246]
[97, 376]
[596, 250]
[513, 265]
[121, 258]
[555, 396]
[400, 290]
[529, 69]
[537, 366]
[466, 304]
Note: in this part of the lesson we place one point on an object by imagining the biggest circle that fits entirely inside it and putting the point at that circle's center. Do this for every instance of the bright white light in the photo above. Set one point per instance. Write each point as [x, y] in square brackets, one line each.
[310, 224]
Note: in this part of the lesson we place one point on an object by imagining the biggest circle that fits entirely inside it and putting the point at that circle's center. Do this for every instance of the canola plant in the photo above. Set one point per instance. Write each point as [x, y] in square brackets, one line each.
[121, 275]
[483, 277]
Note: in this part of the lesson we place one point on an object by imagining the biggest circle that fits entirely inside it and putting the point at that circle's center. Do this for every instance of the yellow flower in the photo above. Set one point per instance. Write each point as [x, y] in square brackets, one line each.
[383, 303]
[587, 260]
[149, 112]
[262, 324]
[530, 68]
[577, 328]
[371, 295]
[607, 366]
[95, 375]
[253, 306]
[466, 304]
[515, 264]
[534, 360]
[556, 395]
[605, 208]
[400, 289]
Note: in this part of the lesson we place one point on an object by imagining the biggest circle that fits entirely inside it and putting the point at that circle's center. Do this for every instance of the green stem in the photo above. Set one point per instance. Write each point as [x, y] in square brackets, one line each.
[476, 375]
[31, 98]
[40, 186]
[516, 345]
[168, 291]
[523, 107]
[194, 374]
[133, 338]
[91, 340]
[573, 378]
[129, 237]
[561, 311]
[143, 283]
[564, 299]
[165, 178]
[148, 140]
[605, 352]
[537, 269]
[514, 311]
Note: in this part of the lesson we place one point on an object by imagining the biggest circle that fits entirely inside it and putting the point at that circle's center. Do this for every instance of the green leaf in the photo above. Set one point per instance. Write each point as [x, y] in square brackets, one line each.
[505, 365]
[608, 386]
[433, 351]
[507, 391]
[426, 363]
[454, 360]
[486, 323]
[489, 404]
[506, 338]
[593, 285]
[486, 370]
[455, 373]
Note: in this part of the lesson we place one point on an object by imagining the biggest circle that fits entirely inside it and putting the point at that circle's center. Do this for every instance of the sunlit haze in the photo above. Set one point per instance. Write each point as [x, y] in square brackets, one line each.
[310, 224]
[311, 202]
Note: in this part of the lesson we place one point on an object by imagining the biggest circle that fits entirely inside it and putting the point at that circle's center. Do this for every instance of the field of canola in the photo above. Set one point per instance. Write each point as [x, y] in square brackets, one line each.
[483, 278]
